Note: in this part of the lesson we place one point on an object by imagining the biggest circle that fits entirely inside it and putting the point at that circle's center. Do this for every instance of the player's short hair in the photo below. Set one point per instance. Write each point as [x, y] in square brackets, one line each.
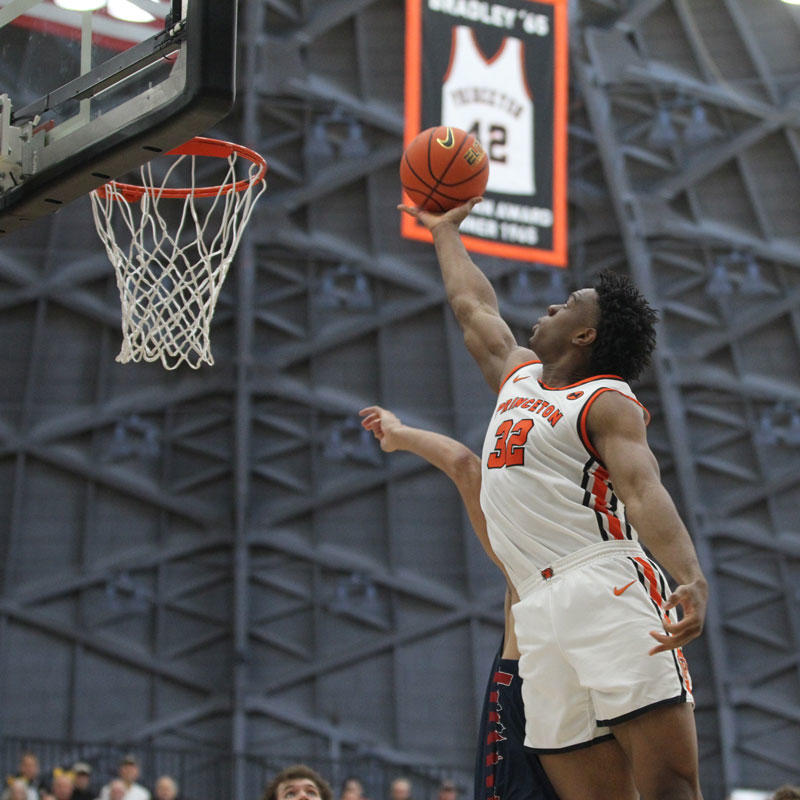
[786, 792]
[626, 332]
[297, 772]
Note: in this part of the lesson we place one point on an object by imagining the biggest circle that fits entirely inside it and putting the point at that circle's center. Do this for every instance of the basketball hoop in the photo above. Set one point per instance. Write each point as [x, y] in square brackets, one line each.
[170, 274]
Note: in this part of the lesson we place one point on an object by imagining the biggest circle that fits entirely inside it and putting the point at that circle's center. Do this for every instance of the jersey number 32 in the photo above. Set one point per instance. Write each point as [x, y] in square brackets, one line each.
[510, 446]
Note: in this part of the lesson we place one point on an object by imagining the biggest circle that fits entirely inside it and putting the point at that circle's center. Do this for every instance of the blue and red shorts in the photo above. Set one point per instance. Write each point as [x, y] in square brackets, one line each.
[505, 770]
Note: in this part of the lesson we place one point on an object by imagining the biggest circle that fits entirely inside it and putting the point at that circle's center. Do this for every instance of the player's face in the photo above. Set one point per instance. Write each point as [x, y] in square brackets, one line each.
[299, 789]
[553, 332]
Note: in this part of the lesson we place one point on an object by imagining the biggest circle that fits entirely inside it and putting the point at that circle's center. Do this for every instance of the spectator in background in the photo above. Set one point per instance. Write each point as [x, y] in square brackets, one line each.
[352, 789]
[17, 789]
[82, 779]
[787, 792]
[400, 789]
[447, 791]
[116, 789]
[28, 772]
[63, 784]
[128, 774]
[166, 788]
[298, 782]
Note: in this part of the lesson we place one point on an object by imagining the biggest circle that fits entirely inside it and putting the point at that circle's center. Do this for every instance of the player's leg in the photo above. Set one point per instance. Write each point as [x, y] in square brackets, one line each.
[661, 746]
[581, 759]
[504, 771]
[646, 701]
[599, 772]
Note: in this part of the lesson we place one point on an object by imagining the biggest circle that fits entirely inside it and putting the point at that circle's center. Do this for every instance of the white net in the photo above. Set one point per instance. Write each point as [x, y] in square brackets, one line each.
[172, 257]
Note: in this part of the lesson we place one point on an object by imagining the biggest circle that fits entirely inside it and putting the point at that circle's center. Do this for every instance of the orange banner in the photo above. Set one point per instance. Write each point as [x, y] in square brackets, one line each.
[500, 71]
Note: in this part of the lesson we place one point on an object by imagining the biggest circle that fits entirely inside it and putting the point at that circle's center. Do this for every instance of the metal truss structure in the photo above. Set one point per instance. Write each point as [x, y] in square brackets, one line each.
[695, 110]
[220, 560]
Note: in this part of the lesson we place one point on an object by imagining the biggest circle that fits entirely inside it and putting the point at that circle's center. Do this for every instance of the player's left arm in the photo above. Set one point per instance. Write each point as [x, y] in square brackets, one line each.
[617, 431]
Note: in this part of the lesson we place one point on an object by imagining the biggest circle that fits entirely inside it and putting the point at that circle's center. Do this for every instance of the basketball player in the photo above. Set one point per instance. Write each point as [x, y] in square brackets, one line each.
[503, 769]
[569, 486]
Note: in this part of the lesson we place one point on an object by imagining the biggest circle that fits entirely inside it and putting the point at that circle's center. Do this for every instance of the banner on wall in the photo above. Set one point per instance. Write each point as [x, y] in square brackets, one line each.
[498, 70]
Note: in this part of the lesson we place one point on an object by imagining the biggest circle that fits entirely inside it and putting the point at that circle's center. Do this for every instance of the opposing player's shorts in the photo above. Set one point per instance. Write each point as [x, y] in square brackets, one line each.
[583, 628]
[504, 770]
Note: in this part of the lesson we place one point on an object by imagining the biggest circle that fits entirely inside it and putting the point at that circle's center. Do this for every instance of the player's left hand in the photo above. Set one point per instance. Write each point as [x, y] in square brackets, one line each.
[693, 599]
[384, 426]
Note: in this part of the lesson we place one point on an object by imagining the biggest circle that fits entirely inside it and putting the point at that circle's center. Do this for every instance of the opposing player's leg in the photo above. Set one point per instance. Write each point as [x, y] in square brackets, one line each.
[661, 746]
[504, 771]
[599, 772]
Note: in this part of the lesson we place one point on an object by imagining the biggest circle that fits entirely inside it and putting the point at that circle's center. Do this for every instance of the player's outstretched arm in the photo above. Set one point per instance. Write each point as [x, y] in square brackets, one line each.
[456, 460]
[617, 432]
[471, 296]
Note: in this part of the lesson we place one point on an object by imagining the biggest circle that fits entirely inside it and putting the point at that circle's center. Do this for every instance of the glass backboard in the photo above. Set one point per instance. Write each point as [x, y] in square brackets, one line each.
[90, 89]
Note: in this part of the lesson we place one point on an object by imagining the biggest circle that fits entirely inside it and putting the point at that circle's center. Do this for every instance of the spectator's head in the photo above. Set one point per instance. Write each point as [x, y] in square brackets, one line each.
[18, 790]
[448, 790]
[352, 789]
[400, 789]
[166, 788]
[787, 792]
[117, 789]
[129, 769]
[298, 782]
[63, 785]
[29, 766]
[82, 773]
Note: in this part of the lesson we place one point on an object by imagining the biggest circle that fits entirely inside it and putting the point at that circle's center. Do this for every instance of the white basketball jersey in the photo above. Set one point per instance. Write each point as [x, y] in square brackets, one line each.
[544, 491]
[493, 95]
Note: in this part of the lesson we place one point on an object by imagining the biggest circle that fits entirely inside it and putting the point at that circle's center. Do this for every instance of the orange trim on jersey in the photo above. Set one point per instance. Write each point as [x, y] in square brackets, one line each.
[579, 383]
[524, 72]
[452, 55]
[599, 491]
[584, 434]
[518, 367]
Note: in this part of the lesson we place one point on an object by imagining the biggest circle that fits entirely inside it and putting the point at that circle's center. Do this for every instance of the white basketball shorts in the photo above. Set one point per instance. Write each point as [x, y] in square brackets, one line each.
[583, 631]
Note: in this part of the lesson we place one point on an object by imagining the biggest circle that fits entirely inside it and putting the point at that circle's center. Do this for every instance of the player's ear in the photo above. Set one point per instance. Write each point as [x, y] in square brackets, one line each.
[585, 337]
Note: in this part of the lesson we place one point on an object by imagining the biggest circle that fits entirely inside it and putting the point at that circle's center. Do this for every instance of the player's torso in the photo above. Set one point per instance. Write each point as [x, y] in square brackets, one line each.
[544, 493]
[490, 97]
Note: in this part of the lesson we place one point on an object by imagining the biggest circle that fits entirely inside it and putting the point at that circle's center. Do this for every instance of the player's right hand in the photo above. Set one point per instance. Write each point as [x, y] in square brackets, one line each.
[455, 216]
[384, 426]
[693, 600]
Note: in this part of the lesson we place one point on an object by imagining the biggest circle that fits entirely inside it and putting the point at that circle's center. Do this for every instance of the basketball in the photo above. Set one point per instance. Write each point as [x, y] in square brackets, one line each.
[442, 168]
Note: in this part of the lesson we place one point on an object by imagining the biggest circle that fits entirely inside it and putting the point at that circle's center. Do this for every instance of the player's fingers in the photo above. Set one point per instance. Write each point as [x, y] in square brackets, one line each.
[676, 637]
[665, 642]
[368, 410]
[372, 424]
[680, 597]
[689, 627]
[409, 209]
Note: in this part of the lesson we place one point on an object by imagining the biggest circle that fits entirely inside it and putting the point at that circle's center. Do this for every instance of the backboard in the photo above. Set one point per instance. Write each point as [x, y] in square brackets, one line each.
[90, 89]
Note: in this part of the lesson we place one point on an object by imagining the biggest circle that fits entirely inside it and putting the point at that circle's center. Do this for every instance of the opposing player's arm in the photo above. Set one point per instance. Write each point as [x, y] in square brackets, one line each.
[456, 460]
[617, 431]
[472, 297]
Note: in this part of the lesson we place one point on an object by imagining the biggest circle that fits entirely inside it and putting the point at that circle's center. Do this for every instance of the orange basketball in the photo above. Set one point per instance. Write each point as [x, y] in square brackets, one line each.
[443, 167]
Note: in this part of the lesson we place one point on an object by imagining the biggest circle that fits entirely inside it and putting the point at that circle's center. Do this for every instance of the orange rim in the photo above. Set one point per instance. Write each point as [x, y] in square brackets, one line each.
[198, 146]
